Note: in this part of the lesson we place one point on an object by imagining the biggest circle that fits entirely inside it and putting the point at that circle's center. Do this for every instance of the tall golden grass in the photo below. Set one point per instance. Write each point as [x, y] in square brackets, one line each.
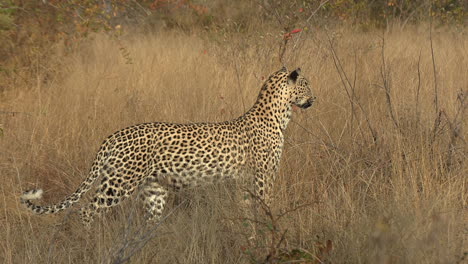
[379, 160]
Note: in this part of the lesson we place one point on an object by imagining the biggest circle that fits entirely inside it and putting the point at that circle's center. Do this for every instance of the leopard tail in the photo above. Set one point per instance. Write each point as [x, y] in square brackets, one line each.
[85, 186]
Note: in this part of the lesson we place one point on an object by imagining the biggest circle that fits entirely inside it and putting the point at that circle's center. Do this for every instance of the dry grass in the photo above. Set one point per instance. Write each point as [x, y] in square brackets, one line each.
[385, 177]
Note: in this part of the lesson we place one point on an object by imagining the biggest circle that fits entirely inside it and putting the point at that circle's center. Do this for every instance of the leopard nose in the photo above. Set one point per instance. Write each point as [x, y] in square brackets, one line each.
[309, 102]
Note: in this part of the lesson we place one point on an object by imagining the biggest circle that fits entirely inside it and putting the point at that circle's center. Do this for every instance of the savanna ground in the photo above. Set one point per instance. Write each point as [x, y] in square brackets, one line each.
[374, 172]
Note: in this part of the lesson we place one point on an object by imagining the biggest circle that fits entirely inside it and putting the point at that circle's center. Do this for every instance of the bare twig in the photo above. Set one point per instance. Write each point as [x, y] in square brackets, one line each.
[345, 81]
[274, 249]
[282, 50]
[139, 239]
[456, 127]
[279, 216]
[387, 85]
[286, 28]
[353, 94]
[436, 97]
[418, 89]
[277, 236]
[437, 121]
[53, 239]
[307, 23]
[239, 86]
[408, 17]
[274, 11]
[13, 113]
[144, 10]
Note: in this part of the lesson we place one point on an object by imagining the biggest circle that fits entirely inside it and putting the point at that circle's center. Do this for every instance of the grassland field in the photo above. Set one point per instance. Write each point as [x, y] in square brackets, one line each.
[378, 166]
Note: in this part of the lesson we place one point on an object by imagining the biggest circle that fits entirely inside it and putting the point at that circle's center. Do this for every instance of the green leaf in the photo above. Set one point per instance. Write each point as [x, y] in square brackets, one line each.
[270, 226]
[6, 22]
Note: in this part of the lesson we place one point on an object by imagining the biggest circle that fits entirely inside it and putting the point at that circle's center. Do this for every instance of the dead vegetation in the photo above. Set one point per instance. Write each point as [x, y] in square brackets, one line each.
[375, 172]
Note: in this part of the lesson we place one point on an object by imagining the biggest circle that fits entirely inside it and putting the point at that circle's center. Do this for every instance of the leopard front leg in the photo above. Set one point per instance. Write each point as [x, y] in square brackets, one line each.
[266, 169]
[263, 185]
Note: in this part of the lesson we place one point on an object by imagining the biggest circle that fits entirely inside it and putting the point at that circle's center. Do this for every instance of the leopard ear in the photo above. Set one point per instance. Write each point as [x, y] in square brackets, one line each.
[292, 78]
[284, 69]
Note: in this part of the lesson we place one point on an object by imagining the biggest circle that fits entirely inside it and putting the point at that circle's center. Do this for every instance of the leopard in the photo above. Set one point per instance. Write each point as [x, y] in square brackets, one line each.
[158, 157]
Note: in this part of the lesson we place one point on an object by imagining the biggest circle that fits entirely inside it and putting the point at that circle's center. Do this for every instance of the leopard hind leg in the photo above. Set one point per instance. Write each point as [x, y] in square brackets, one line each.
[114, 188]
[154, 198]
